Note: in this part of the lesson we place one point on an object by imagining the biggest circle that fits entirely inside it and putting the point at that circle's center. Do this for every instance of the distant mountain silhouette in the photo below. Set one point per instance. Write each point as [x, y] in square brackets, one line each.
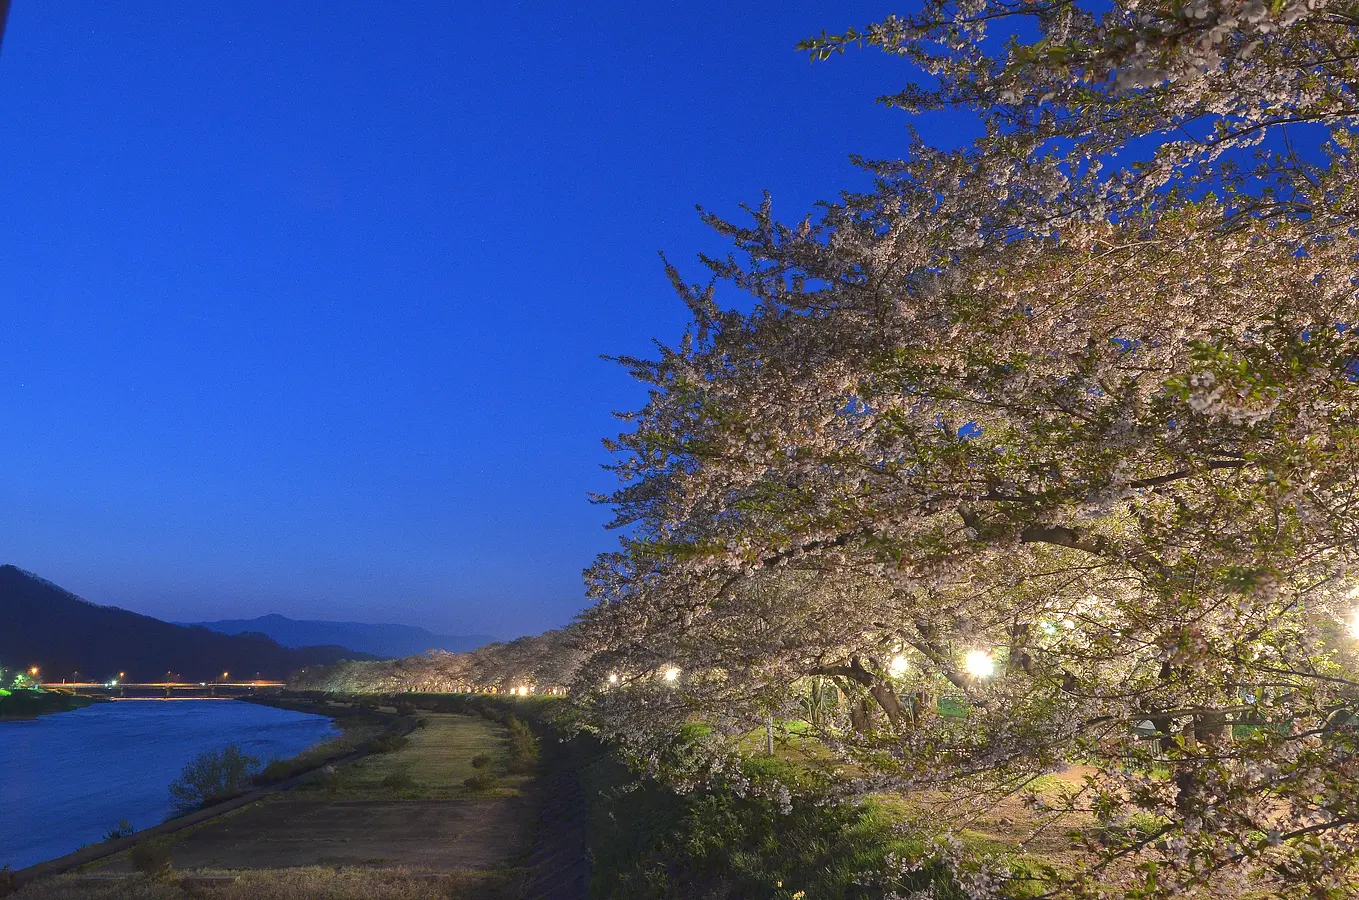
[45, 625]
[389, 641]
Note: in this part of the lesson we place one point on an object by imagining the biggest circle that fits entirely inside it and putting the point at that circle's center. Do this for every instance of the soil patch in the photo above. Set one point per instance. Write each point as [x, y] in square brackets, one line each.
[420, 835]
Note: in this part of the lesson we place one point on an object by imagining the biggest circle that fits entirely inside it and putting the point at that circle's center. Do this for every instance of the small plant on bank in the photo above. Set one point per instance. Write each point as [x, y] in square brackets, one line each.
[523, 746]
[276, 770]
[151, 858]
[482, 781]
[400, 781]
[481, 761]
[121, 830]
[389, 743]
[327, 777]
[211, 776]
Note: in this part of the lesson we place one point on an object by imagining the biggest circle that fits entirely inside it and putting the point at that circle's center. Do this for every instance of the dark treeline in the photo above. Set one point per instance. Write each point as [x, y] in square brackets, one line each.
[41, 624]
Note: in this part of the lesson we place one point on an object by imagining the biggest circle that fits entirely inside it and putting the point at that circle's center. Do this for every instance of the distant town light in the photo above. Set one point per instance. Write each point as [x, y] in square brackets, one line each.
[979, 664]
[670, 673]
[898, 665]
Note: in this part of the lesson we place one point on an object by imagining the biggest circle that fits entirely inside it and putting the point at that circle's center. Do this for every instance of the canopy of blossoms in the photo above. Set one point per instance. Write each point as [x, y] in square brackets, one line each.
[1045, 451]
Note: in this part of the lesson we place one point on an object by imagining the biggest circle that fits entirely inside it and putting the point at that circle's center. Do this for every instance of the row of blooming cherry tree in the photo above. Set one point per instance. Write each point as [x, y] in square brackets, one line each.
[1044, 451]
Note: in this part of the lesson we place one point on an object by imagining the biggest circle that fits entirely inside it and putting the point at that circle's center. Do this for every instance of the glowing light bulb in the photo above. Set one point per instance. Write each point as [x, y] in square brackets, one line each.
[979, 664]
[613, 678]
[670, 674]
[898, 665]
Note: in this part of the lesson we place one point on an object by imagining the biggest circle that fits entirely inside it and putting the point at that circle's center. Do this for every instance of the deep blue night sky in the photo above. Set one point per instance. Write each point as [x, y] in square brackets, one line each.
[302, 304]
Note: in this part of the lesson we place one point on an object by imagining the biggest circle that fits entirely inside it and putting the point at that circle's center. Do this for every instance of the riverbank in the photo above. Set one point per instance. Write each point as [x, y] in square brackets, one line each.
[23, 704]
[115, 763]
[441, 813]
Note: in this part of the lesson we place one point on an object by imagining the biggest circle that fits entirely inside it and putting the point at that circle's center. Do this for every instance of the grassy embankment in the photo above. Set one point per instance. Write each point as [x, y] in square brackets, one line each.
[29, 704]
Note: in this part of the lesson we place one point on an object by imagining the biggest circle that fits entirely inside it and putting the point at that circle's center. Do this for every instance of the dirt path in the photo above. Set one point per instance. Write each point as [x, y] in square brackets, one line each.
[560, 858]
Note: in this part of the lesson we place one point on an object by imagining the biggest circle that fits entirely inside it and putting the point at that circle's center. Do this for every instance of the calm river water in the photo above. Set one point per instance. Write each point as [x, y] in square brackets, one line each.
[67, 778]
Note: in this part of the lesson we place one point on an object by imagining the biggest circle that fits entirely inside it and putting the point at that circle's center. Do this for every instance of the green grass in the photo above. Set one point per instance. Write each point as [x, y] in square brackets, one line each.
[434, 764]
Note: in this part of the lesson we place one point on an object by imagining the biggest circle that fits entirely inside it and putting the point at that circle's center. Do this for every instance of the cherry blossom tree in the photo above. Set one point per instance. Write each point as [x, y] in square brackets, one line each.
[1046, 451]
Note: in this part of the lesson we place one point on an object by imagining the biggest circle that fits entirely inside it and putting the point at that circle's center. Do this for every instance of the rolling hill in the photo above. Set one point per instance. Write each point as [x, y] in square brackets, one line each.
[45, 625]
[389, 641]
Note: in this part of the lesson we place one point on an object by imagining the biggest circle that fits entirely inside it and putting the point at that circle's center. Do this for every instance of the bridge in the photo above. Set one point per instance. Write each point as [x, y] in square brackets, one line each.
[163, 689]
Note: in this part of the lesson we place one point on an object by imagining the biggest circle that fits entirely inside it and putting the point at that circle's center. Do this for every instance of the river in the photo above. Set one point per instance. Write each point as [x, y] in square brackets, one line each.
[67, 778]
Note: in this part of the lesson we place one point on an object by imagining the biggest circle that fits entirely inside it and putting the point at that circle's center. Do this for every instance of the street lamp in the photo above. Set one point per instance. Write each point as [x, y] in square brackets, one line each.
[979, 664]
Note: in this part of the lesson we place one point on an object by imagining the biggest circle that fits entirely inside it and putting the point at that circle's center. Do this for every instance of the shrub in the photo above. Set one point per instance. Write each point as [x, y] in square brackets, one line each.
[481, 761]
[277, 770]
[327, 777]
[388, 743]
[523, 746]
[121, 830]
[481, 781]
[151, 858]
[725, 842]
[212, 775]
[399, 781]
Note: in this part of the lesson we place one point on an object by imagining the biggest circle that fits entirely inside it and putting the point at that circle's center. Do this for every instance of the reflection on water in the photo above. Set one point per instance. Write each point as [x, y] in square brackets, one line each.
[66, 779]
